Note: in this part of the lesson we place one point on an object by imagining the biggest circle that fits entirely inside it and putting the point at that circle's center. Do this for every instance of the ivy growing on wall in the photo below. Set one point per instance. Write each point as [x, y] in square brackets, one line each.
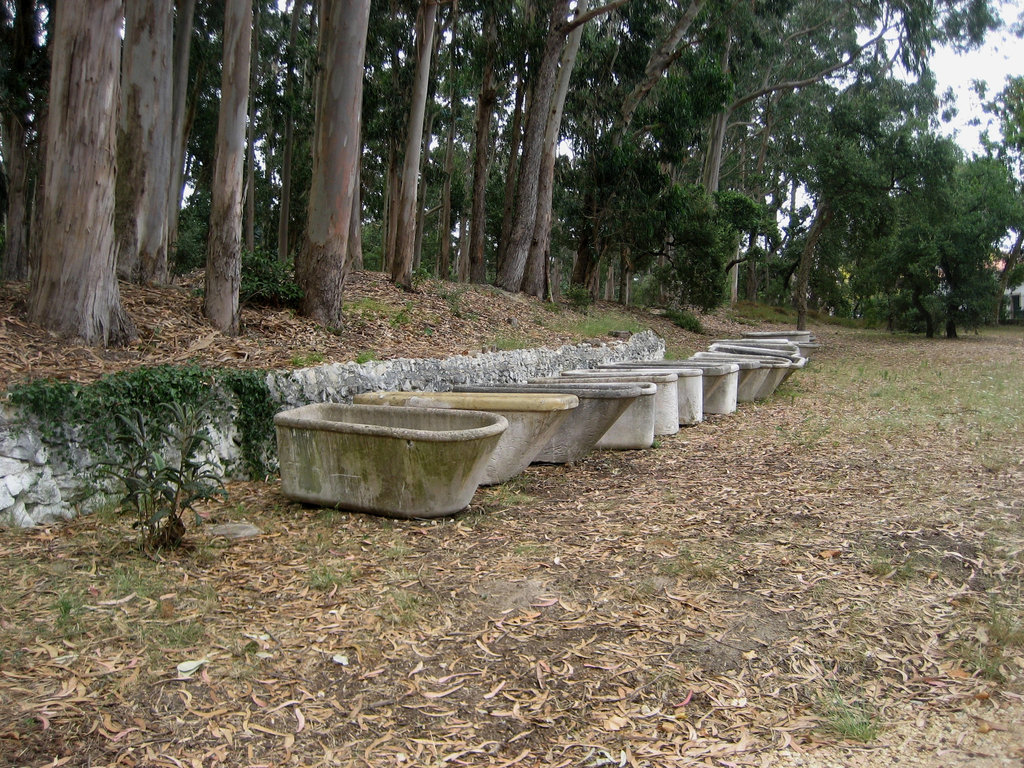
[68, 412]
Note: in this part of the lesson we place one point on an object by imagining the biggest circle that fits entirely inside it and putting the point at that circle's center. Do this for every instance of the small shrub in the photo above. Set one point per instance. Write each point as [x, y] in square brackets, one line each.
[685, 320]
[266, 281]
[157, 492]
[578, 297]
[365, 356]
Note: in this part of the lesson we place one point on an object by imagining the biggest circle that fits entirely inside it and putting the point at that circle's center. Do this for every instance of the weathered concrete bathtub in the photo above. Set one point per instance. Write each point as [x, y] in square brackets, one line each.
[720, 380]
[532, 420]
[690, 386]
[398, 462]
[631, 429]
[666, 399]
[778, 368]
[750, 385]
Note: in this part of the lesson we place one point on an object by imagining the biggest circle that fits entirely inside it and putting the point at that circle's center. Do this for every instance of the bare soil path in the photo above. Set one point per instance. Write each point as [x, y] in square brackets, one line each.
[808, 582]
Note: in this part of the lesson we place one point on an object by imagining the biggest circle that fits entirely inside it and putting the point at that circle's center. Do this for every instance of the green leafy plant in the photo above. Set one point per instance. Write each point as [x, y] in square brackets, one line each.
[267, 281]
[579, 297]
[158, 491]
[365, 356]
[254, 418]
[685, 320]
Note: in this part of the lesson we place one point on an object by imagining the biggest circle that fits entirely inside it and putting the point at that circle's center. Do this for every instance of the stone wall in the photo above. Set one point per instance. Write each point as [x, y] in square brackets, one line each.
[41, 482]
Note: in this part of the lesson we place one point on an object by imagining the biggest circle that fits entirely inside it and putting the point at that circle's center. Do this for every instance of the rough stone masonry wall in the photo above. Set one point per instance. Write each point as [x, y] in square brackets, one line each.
[41, 483]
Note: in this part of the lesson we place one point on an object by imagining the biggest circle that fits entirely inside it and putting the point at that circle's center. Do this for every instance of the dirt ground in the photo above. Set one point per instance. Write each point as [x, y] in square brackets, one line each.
[801, 583]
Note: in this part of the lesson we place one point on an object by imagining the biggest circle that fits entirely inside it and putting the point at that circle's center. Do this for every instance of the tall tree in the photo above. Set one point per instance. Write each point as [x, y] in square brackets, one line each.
[21, 80]
[510, 276]
[323, 261]
[144, 141]
[184, 11]
[283, 243]
[475, 268]
[405, 241]
[224, 246]
[74, 291]
[535, 277]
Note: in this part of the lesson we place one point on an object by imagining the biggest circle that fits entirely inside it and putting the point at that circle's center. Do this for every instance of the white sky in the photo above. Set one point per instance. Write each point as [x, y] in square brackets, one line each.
[1002, 56]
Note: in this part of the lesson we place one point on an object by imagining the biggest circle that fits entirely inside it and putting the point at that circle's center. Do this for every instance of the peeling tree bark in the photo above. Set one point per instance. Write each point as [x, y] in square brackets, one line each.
[405, 240]
[821, 219]
[144, 142]
[475, 269]
[224, 247]
[179, 93]
[74, 291]
[325, 257]
[535, 278]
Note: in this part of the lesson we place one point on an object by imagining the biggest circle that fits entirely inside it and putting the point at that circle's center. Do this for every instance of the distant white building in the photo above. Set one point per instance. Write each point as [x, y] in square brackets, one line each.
[1015, 303]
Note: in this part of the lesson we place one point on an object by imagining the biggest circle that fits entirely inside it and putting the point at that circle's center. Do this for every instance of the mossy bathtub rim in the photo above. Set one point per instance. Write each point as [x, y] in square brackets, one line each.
[397, 462]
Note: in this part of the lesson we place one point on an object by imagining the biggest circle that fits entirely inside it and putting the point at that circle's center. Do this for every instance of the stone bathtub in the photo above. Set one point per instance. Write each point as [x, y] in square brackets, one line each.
[778, 369]
[398, 462]
[720, 380]
[532, 420]
[690, 386]
[632, 427]
[666, 399]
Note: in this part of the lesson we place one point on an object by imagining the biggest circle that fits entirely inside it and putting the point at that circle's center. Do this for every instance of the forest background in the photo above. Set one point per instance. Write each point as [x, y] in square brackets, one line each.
[641, 151]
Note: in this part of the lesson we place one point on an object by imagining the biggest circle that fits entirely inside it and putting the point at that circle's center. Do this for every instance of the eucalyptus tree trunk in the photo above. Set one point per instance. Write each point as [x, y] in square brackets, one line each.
[250, 144]
[392, 186]
[716, 140]
[462, 256]
[473, 267]
[74, 290]
[179, 93]
[324, 259]
[443, 266]
[14, 118]
[1004, 276]
[522, 98]
[510, 276]
[355, 226]
[16, 156]
[144, 141]
[224, 246]
[283, 247]
[421, 210]
[803, 275]
[405, 239]
[535, 278]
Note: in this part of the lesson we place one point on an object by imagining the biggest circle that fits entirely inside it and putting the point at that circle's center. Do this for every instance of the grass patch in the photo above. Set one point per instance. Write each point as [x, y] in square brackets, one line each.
[596, 323]
[507, 342]
[326, 577]
[179, 634]
[69, 608]
[305, 361]
[695, 566]
[403, 608]
[851, 720]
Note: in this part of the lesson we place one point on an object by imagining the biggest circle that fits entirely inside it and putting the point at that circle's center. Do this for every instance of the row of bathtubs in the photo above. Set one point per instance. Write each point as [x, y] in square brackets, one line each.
[424, 454]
